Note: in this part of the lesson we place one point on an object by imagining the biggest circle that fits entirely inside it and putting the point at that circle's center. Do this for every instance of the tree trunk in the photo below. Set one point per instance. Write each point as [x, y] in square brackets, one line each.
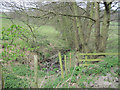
[105, 27]
[75, 8]
[76, 35]
[89, 25]
[97, 27]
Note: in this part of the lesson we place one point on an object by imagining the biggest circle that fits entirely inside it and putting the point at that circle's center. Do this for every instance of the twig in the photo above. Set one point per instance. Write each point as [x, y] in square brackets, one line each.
[42, 81]
[67, 79]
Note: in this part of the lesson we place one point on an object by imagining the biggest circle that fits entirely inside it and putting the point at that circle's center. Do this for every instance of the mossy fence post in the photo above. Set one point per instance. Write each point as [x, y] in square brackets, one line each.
[65, 64]
[36, 70]
[1, 77]
[70, 59]
[61, 66]
[86, 60]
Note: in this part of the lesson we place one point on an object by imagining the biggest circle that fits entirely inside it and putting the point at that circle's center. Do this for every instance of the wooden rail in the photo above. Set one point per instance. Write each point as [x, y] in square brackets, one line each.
[1, 77]
[99, 54]
[86, 57]
[90, 59]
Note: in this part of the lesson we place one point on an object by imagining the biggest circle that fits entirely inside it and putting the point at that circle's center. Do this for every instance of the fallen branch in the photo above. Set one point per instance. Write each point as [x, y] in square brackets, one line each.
[42, 82]
[67, 79]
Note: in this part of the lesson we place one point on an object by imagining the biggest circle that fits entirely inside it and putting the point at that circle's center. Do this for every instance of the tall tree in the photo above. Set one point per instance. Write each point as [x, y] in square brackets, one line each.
[76, 35]
[97, 26]
[88, 24]
[75, 8]
[105, 26]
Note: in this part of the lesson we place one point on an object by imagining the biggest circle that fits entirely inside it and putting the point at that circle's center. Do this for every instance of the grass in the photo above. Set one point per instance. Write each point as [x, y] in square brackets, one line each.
[101, 68]
[21, 76]
[12, 81]
[50, 34]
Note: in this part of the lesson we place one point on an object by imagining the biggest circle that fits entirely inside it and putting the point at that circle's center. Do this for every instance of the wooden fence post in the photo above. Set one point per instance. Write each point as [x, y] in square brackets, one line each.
[70, 59]
[1, 77]
[65, 65]
[60, 60]
[85, 60]
[86, 57]
[36, 70]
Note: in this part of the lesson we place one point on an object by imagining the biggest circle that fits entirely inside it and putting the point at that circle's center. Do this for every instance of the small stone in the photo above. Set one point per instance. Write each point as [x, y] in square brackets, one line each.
[114, 85]
[116, 79]
[108, 74]
[46, 77]
[101, 78]
[85, 83]
[91, 84]
[95, 82]
[106, 78]
[75, 84]
[57, 71]
[110, 79]
[106, 84]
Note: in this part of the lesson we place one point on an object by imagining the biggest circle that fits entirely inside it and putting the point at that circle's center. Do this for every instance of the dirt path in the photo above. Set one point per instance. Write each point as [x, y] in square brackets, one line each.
[107, 81]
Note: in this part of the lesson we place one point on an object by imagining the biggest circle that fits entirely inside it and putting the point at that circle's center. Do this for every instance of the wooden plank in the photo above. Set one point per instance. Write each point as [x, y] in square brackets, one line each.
[65, 64]
[85, 59]
[85, 64]
[70, 59]
[36, 70]
[90, 59]
[99, 53]
[61, 66]
[0, 77]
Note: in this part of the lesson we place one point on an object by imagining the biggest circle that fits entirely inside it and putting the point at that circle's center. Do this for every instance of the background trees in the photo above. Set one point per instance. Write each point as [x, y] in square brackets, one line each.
[45, 28]
[84, 29]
